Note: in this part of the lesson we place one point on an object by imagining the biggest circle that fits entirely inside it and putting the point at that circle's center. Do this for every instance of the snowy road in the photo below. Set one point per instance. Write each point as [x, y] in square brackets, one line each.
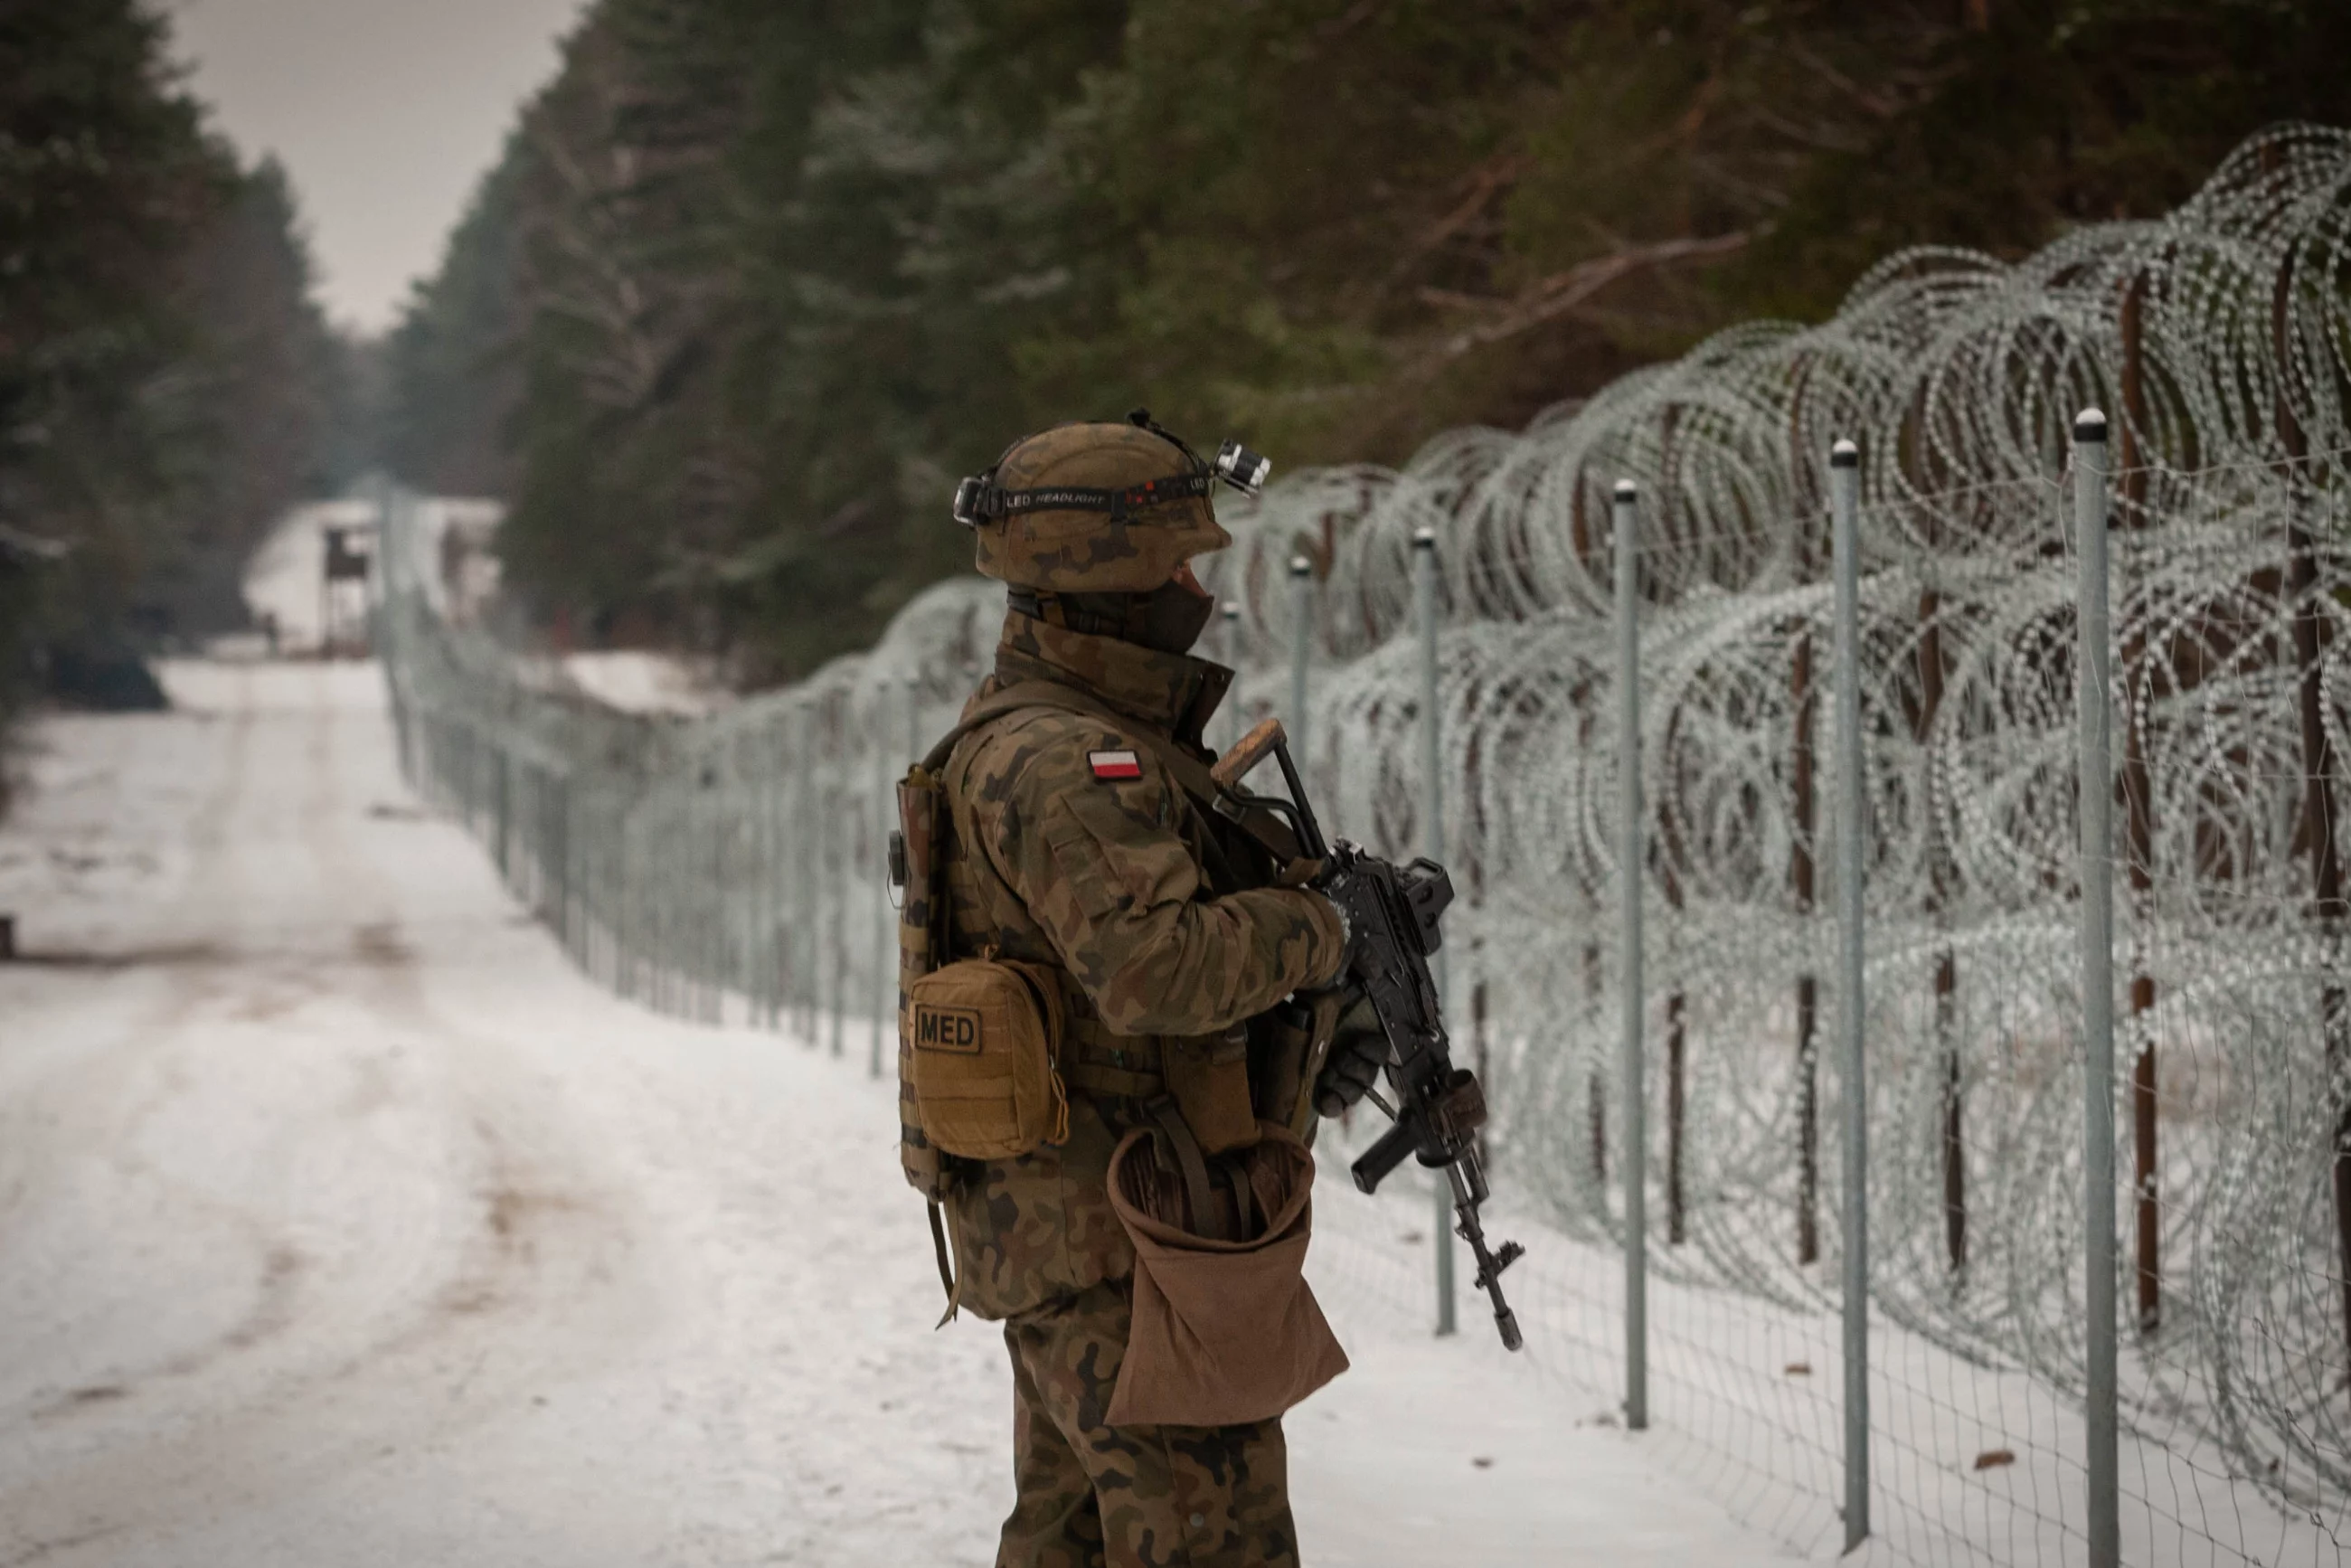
[342, 1223]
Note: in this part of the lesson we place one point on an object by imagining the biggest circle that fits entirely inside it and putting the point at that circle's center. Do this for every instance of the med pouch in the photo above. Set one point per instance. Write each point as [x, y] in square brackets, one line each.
[982, 1043]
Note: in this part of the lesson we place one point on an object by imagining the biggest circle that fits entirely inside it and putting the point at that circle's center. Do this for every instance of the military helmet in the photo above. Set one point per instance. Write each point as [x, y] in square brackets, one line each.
[1099, 508]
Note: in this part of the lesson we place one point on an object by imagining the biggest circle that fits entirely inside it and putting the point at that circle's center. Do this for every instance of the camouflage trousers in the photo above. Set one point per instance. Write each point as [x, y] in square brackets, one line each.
[1095, 1496]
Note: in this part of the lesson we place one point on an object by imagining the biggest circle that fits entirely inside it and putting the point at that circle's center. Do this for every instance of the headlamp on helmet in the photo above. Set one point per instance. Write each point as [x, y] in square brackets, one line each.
[1244, 470]
[980, 499]
[968, 497]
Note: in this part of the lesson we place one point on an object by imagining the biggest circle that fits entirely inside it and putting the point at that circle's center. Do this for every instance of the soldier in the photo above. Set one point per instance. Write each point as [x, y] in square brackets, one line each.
[1069, 844]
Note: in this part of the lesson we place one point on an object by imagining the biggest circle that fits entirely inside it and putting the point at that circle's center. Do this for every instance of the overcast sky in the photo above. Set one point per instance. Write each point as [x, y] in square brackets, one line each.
[386, 112]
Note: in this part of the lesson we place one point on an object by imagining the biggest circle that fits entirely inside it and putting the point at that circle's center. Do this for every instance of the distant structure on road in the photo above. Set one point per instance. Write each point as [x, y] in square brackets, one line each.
[343, 615]
[313, 581]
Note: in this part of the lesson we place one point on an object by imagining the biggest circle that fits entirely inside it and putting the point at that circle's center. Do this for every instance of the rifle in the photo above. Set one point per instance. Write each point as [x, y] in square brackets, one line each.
[1394, 914]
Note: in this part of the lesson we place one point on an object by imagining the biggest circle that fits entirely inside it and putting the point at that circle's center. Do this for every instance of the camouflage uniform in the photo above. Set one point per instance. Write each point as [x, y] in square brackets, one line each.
[1169, 939]
[1092, 1494]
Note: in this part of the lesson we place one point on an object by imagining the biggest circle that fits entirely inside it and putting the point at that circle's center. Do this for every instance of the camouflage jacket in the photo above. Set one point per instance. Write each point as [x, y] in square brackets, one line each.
[1159, 915]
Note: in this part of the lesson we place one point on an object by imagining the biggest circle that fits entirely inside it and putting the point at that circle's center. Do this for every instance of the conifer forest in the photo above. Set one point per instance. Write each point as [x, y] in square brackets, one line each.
[754, 284]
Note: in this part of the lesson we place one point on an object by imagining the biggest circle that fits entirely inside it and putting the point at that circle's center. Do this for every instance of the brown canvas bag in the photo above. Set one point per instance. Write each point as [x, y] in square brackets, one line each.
[1224, 1331]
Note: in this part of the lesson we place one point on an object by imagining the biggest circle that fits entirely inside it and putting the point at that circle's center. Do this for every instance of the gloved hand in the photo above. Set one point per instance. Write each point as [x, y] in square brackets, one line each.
[1347, 930]
[1359, 1050]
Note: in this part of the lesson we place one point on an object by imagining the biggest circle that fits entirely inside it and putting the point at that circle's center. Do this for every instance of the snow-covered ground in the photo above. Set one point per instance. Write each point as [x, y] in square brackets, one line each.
[342, 1223]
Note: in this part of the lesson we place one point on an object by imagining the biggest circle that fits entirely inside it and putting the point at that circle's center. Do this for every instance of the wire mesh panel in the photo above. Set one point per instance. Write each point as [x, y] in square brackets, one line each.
[730, 867]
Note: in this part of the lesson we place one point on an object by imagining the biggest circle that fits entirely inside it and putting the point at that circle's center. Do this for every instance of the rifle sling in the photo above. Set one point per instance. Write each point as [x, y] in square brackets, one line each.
[1176, 1140]
[947, 1280]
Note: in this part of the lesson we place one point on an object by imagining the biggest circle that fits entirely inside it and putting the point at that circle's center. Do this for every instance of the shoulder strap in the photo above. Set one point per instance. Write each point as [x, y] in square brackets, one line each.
[948, 1280]
[1271, 834]
[1174, 1136]
[1011, 699]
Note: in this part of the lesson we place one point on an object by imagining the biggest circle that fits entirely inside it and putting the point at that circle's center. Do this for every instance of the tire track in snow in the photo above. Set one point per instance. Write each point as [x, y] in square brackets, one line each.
[80, 1110]
[530, 1284]
[42, 1121]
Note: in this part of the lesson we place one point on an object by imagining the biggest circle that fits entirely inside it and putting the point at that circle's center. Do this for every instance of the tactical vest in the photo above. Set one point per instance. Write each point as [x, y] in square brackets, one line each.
[1208, 1091]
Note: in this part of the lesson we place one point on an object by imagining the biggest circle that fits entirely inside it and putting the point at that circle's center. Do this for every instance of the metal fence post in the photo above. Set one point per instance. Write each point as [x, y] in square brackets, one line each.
[781, 932]
[914, 749]
[629, 931]
[559, 863]
[766, 923]
[718, 822]
[1845, 487]
[1432, 844]
[2097, 784]
[728, 854]
[546, 877]
[1632, 861]
[885, 981]
[838, 794]
[791, 908]
[807, 924]
[1235, 724]
[1301, 643]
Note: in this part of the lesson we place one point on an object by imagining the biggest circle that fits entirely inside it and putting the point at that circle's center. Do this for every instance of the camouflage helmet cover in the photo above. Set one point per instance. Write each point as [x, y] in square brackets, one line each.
[1131, 550]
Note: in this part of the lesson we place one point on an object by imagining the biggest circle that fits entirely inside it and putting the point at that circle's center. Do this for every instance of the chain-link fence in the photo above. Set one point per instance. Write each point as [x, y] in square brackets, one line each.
[1717, 1131]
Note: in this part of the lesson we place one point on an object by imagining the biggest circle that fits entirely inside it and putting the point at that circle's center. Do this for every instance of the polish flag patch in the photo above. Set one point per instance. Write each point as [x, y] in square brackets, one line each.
[1115, 764]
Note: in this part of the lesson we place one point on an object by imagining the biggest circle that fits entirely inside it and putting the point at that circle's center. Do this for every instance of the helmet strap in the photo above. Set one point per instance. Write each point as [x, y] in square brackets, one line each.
[1169, 619]
[1092, 614]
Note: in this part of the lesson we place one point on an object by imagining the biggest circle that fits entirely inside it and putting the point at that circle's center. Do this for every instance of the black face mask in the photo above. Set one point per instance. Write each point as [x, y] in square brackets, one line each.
[1168, 619]
[1172, 617]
